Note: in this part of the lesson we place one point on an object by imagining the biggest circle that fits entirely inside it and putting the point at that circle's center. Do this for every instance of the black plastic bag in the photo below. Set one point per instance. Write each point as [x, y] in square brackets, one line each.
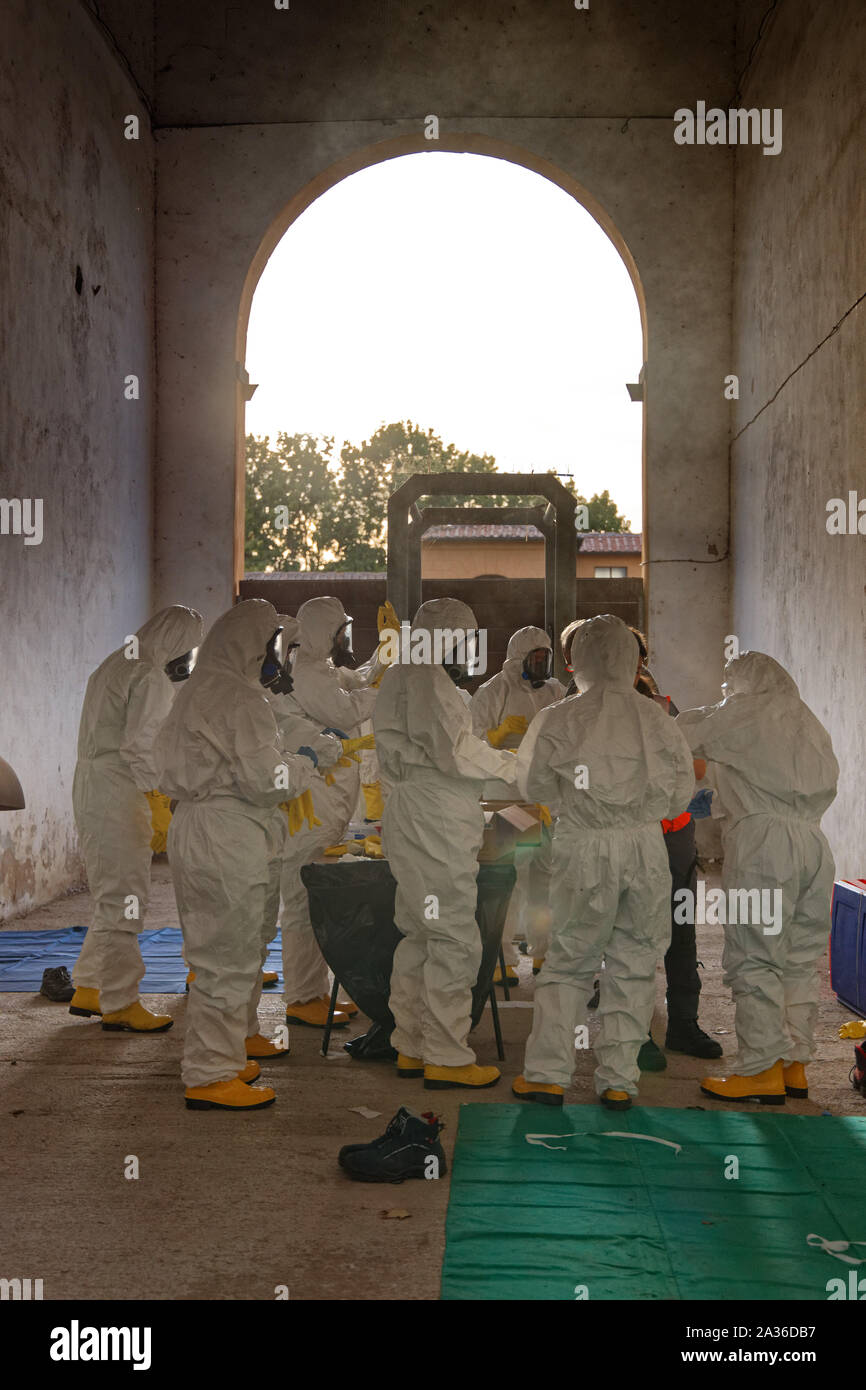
[352, 912]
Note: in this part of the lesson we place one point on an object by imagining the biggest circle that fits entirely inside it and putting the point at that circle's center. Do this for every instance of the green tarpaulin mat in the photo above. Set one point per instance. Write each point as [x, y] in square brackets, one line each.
[602, 1217]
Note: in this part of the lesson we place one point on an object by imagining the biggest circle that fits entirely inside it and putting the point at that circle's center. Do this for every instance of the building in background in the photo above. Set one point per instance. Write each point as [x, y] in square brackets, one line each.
[517, 552]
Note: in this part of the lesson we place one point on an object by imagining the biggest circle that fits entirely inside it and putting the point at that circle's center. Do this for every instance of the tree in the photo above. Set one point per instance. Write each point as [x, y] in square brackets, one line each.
[305, 510]
[291, 501]
[603, 515]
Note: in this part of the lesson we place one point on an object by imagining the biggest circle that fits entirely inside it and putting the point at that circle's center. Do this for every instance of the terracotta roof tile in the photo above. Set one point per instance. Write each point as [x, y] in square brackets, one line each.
[594, 542]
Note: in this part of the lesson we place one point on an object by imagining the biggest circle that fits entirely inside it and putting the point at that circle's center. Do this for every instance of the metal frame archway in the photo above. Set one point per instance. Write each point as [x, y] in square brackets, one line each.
[407, 523]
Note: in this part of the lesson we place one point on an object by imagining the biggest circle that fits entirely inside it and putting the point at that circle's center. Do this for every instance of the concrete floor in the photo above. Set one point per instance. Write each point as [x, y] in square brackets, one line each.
[232, 1207]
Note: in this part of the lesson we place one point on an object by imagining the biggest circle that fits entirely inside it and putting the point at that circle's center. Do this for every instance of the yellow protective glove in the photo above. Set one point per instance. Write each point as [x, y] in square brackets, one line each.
[373, 847]
[386, 618]
[855, 1029]
[346, 761]
[160, 820]
[386, 621]
[374, 805]
[333, 851]
[511, 724]
[300, 810]
[351, 746]
[543, 812]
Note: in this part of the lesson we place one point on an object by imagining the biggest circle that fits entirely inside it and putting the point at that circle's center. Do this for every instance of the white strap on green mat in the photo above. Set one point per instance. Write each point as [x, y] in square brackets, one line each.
[836, 1248]
[598, 1134]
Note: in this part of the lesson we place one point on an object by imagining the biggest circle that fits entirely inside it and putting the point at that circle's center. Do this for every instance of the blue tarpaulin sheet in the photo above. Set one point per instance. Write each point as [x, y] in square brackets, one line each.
[25, 954]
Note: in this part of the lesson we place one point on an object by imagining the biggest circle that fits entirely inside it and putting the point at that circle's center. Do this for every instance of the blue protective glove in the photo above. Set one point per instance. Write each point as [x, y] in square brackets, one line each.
[699, 806]
[308, 753]
[338, 733]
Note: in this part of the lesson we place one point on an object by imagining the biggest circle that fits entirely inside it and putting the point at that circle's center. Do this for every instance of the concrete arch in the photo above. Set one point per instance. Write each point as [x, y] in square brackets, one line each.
[364, 158]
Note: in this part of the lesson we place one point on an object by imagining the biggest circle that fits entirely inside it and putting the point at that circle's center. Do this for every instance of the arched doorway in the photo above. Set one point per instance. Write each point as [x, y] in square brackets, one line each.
[364, 159]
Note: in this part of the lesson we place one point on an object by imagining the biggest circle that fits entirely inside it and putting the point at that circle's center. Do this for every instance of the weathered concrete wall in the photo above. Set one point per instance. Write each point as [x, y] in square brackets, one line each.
[75, 284]
[800, 353]
[272, 100]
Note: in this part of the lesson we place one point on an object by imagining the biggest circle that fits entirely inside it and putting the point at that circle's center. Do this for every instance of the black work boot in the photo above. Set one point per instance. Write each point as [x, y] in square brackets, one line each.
[685, 1036]
[57, 984]
[409, 1148]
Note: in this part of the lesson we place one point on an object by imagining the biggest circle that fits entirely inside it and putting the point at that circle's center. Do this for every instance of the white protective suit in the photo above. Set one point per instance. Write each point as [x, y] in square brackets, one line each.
[219, 754]
[126, 700]
[507, 693]
[611, 877]
[295, 725]
[337, 698]
[772, 765]
[431, 835]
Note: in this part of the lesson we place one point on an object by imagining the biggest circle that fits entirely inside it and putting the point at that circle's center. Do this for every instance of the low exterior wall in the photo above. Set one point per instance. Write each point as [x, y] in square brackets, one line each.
[500, 605]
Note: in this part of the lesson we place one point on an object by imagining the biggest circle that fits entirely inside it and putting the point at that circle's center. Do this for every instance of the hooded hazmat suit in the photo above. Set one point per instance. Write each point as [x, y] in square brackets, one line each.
[126, 700]
[613, 765]
[431, 835]
[337, 698]
[772, 765]
[511, 693]
[295, 725]
[219, 755]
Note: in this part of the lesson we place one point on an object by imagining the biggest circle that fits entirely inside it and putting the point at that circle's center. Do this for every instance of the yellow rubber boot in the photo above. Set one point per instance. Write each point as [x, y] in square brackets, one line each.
[136, 1019]
[471, 1077]
[249, 1073]
[229, 1095]
[314, 1014]
[615, 1100]
[794, 1074]
[768, 1086]
[269, 978]
[537, 964]
[190, 976]
[409, 1066]
[343, 1006]
[85, 1003]
[260, 1046]
[537, 1090]
[511, 976]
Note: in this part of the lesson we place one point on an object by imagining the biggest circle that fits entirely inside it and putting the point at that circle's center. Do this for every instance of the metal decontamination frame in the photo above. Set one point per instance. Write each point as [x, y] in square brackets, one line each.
[407, 523]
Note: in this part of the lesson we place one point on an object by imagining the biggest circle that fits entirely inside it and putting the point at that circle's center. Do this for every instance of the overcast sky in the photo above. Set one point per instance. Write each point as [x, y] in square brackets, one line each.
[464, 293]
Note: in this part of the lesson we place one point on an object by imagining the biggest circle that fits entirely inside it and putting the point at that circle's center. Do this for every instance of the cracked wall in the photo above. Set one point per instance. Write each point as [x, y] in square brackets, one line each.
[800, 352]
[76, 234]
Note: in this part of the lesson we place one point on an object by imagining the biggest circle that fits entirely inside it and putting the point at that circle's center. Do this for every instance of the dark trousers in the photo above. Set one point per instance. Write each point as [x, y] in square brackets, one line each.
[681, 959]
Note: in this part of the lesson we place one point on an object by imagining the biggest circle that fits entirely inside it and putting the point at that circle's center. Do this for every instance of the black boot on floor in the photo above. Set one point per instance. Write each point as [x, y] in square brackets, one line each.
[57, 984]
[409, 1148]
[688, 1038]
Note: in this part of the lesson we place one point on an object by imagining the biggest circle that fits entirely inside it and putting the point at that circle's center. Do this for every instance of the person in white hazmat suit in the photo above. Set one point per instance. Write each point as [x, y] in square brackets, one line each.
[772, 766]
[502, 710]
[337, 699]
[431, 834]
[220, 756]
[126, 701]
[613, 765]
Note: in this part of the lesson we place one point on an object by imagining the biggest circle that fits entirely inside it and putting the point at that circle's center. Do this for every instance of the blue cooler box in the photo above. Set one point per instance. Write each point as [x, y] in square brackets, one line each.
[848, 944]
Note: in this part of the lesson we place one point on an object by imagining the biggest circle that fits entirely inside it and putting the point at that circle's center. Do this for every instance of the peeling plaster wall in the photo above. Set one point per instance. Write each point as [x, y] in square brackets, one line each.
[255, 104]
[800, 336]
[76, 201]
